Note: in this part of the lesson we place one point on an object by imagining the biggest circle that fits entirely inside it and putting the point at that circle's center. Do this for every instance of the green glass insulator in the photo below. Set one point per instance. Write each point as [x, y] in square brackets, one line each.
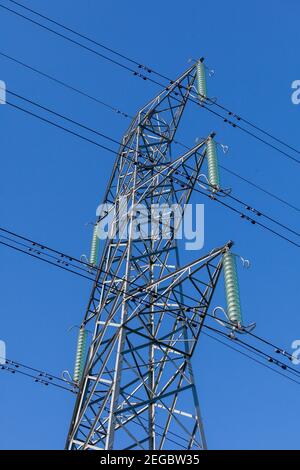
[80, 355]
[234, 312]
[201, 81]
[94, 246]
[212, 164]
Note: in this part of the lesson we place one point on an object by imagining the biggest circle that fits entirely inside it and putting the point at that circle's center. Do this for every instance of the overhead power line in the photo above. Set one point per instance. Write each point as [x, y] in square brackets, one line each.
[149, 70]
[66, 85]
[37, 375]
[48, 255]
[48, 379]
[248, 208]
[126, 115]
[251, 183]
[72, 121]
[43, 252]
[100, 134]
[255, 350]
[282, 374]
[101, 349]
[226, 119]
[58, 126]
[247, 218]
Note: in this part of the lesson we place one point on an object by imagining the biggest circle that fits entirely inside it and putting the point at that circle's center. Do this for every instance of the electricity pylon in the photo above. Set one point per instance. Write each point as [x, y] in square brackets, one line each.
[145, 312]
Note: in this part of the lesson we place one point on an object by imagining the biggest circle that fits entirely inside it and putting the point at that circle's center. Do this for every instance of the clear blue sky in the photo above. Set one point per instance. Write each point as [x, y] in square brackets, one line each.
[51, 184]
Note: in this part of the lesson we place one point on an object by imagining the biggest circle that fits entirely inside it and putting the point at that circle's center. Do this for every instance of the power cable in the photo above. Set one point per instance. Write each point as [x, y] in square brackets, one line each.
[126, 115]
[38, 376]
[252, 358]
[254, 350]
[126, 146]
[213, 102]
[63, 256]
[66, 85]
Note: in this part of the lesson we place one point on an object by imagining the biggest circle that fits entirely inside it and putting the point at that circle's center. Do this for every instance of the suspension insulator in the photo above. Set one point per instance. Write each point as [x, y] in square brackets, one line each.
[234, 312]
[201, 81]
[80, 355]
[94, 246]
[212, 163]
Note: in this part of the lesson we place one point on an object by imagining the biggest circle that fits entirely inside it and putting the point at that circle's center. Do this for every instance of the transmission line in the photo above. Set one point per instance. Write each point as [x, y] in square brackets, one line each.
[251, 183]
[243, 215]
[126, 115]
[100, 134]
[41, 248]
[225, 119]
[72, 121]
[66, 85]
[250, 357]
[242, 344]
[37, 255]
[61, 127]
[246, 217]
[236, 199]
[254, 350]
[45, 378]
[39, 376]
[149, 70]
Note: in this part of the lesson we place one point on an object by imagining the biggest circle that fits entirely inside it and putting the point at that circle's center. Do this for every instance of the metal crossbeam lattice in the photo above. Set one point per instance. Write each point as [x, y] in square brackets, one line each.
[145, 311]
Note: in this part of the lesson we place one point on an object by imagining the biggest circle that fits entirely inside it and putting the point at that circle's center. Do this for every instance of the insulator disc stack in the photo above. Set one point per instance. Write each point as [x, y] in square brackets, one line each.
[94, 246]
[80, 355]
[212, 163]
[234, 312]
[201, 81]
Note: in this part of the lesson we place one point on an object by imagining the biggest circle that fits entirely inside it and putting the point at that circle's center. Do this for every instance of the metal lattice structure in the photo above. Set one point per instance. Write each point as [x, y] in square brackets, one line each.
[145, 312]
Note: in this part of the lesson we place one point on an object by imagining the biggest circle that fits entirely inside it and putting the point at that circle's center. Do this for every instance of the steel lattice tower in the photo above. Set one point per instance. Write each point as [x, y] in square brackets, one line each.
[145, 312]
